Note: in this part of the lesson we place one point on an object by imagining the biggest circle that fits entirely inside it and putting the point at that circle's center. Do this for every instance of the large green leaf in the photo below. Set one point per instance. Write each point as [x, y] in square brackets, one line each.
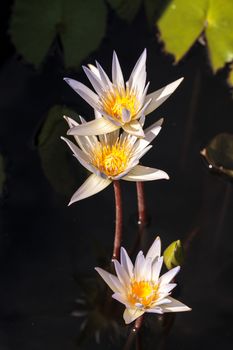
[126, 9]
[35, 24]
[2, 173]
[183, 22]
[33, 27]
[84, 28]
[56, 159]
[219, 154]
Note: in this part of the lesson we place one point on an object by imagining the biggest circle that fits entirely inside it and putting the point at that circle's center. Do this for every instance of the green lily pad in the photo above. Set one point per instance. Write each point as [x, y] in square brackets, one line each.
[174, 255]
[56, 159]
[125, 9]
[219, 154]
[35, 25]
[2, 173]
[183, 22]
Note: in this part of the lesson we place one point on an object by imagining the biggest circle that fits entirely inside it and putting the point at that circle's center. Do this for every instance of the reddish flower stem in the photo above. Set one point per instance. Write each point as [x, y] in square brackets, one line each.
[118, 220]
[134, 333]
[142, 217]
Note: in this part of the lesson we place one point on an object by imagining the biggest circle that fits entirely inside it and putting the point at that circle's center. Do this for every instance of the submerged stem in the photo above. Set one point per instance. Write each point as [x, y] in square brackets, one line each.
[118, 220]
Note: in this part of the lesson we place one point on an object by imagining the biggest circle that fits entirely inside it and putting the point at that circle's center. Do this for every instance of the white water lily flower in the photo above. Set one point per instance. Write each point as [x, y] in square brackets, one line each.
[139, 287]
[120, 104]
[112, 157]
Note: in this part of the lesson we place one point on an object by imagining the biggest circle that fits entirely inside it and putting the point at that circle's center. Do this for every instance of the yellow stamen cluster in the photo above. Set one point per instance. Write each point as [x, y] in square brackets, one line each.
[144, 293]
[112, 160]
[115, 101]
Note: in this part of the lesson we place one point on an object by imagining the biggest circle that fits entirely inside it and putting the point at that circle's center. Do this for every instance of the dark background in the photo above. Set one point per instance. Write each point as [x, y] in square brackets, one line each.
[47, 248]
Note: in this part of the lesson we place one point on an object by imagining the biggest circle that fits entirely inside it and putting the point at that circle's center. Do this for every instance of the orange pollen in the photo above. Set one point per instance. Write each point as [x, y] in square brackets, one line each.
[115, 101]
[112, 160]
[144, 293]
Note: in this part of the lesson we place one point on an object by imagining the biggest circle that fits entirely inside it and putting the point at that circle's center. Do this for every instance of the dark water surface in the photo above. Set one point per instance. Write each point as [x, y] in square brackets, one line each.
[48, 251]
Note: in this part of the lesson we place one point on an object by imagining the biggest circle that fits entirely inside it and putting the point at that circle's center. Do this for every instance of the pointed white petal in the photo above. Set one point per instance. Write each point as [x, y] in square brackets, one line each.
[175, 306]
[80, 155]
[134, 128]
[117, 76]
[138, 71]
[121, 273]
[126, 262]
[168, 287]
[140, 259]
[132, 314]
[103, 76]
[91, 186]
[94, 80]
[86, 93]
[156, 268]
[71, 122]
[150, 134]
[168, 276]
[155, 249]
[142, 173]
[110, 279]
[94, 127]
[94, 70]
[159, 96]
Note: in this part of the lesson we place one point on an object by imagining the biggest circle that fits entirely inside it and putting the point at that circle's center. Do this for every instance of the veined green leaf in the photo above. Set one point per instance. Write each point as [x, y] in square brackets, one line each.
[35, 24]
[183, 22]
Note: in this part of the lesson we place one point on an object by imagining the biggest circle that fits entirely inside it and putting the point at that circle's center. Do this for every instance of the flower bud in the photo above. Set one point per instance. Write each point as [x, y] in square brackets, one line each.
[173, 255]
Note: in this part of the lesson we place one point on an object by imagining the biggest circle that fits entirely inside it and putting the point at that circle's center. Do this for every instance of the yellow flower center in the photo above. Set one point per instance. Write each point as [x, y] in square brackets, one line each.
[115, 101]
[112, 160]
[143, 293]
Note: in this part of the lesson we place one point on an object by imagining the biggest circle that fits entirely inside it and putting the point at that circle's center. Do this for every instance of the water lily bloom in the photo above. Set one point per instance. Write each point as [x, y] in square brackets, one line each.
[120, 104]
[112, 156]
[139, 287]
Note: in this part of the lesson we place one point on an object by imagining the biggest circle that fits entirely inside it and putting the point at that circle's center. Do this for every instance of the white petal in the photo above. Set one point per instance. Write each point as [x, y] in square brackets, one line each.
[134, 128]
[175, 306]
[155, 249]
[121, 298]
[94, 70]
[138, 71]
[80, 155]
[143, 173]
[156, 268]
[94, 127]
[94, 80]
[91, 186]
[132, 314]
[150, 134]
[97, 114]
[168, 276]
[140, 260]
[163, 301]
[168, 287]
[121, 273]
[155, 310]
[110, 279]
[86, 93]
[159, 96]
[103, 76]
[126, 262]
[71, 122]
[142, 110]
[125, 115]
[117, 76]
